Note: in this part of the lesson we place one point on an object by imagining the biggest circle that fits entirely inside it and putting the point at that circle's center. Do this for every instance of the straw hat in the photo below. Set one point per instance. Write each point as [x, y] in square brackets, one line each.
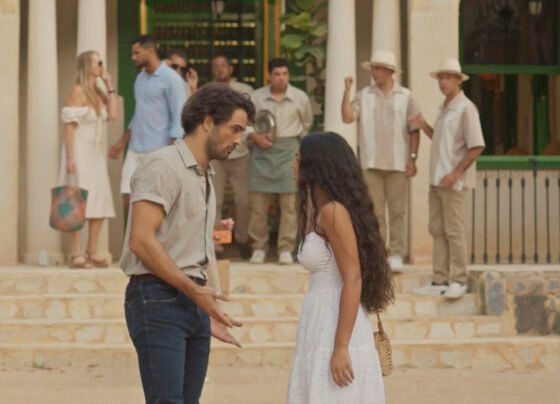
[451, 66]
[382, 58]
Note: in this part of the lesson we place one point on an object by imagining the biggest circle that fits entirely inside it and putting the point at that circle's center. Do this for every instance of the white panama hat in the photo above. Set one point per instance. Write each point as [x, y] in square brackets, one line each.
[382, 58]
[451, 66]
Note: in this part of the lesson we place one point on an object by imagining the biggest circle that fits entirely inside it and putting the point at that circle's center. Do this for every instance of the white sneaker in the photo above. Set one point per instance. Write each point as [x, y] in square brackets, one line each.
[258, 257]
[431, 289]
[455, 290]
[285, 258]
[396, 264]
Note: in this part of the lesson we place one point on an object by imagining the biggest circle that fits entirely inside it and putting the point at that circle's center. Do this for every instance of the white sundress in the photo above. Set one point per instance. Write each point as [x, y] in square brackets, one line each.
[311, 381]
[90, 159]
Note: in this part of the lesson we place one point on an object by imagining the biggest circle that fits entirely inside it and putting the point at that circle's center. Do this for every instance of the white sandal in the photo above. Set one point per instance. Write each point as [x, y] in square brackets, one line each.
[96, 262]
[79, 261]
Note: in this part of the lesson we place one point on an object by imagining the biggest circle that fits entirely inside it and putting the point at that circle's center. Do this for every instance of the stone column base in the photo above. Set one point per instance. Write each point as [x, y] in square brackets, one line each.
[56, 258]
[44, 258]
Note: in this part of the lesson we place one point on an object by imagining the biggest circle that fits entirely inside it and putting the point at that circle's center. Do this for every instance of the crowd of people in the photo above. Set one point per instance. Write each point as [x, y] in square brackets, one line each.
[185, 142]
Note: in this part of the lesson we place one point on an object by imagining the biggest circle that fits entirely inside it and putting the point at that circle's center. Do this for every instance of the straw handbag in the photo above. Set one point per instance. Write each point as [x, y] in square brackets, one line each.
[383, 346]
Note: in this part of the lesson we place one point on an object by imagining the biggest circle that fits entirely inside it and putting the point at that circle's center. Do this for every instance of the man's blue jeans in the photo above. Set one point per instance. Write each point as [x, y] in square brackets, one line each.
[172, 339]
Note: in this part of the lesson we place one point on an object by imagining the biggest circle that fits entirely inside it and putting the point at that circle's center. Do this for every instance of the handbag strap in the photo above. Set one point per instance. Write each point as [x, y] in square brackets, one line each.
[72, 180]
[380, 325]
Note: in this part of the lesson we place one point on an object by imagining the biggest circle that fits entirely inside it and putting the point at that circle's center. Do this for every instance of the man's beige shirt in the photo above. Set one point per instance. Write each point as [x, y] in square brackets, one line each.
[456, 130]
[171, 177]
[384, 140]
[241, 150]
[294, 115]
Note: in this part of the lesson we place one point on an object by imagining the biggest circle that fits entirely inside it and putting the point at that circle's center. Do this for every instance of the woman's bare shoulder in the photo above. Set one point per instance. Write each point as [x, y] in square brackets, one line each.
[77, 97]
[333, 213]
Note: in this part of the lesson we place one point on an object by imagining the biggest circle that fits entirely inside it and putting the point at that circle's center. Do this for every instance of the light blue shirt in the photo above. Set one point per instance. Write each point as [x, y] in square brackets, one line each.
[160, 97]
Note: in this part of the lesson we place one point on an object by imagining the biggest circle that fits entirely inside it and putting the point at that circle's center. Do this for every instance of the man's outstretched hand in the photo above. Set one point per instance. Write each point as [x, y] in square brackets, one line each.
[220, 332]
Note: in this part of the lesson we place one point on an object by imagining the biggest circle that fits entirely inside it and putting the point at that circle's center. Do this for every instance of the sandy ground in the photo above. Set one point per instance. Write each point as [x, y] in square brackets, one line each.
[266, 385]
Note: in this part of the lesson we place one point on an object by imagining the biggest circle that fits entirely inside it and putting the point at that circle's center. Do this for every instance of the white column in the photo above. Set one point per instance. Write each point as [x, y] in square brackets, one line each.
[43, 145]
[9, 127]
[92, 35]
[386, 27]
[433, 36]
[341, 62]
[92, 27]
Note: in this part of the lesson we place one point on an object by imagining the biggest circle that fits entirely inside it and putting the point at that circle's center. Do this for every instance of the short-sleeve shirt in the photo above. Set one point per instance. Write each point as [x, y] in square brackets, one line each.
[160, 98]
[384, 127]
[172, 178]
[456, 130]
[294, 115]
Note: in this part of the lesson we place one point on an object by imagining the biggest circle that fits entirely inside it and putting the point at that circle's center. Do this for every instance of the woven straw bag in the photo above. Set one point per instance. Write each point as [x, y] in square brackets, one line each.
[383, 346]
[68, 207]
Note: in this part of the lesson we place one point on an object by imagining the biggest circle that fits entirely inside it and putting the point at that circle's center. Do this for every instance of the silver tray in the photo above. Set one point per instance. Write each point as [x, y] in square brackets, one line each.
[265, 123]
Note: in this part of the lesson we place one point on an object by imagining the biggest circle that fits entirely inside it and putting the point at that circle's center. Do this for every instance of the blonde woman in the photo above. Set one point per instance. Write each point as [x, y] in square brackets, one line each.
[83, 156]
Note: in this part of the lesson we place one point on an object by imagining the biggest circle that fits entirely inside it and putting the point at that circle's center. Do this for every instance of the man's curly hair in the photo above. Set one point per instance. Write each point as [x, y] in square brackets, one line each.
[219, 102]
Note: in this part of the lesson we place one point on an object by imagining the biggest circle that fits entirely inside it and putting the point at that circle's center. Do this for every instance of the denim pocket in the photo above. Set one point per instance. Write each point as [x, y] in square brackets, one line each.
[158, 292]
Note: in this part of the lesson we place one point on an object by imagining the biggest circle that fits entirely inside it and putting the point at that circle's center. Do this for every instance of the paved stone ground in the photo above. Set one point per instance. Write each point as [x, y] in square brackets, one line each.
[266, 385]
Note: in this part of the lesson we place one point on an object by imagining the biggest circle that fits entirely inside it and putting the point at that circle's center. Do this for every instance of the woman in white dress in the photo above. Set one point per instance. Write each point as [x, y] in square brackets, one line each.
[83, 155]
[335, 360]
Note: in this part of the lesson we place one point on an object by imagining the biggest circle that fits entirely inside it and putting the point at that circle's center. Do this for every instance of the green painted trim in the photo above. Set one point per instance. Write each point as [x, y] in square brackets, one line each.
[128, 29]
[271, 33]
[259, 43]
[509, 69]
[517, 162]
[461, 5]
[541, 117]
[510, 92]
[182, 17]
[163, 18]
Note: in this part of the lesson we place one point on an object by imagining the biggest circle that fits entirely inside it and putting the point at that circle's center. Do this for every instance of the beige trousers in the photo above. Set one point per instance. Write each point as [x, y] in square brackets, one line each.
[447, 229]
[237, 172]
[387, 190]
[258, 224]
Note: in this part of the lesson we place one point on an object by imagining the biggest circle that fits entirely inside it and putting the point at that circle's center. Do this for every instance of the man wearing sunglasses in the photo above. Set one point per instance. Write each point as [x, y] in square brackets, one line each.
[177, 60]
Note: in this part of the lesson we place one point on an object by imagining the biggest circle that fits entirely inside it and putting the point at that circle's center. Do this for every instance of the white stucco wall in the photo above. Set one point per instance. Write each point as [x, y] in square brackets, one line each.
[433, 36]
[9, 127]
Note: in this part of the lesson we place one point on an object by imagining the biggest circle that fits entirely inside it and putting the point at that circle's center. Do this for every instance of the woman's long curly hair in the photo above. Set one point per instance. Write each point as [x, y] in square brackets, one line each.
[328, 162]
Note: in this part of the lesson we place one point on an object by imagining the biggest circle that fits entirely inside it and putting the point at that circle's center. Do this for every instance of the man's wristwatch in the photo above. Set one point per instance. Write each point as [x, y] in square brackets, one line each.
[413, 156]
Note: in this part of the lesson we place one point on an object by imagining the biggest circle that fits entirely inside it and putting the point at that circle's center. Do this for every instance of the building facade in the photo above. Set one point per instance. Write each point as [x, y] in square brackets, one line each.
[510, 49]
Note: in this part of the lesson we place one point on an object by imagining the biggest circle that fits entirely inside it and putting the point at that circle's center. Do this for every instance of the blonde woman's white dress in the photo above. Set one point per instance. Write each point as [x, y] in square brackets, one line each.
[90, 159]
[311, 380]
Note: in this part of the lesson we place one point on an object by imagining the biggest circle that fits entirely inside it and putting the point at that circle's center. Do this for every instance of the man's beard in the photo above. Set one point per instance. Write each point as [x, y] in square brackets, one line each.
[212, 147]
[141, 64]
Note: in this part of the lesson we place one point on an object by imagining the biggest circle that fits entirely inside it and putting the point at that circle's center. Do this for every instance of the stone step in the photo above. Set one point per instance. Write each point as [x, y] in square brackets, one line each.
[281, 330]
[110, 305]
[409, 305]
[254, 330]
[405, 305]
[271, 278]
[244, 279]
[521, 353]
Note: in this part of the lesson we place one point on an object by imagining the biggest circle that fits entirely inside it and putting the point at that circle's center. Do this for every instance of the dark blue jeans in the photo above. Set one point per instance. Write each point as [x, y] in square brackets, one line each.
[172, 339]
